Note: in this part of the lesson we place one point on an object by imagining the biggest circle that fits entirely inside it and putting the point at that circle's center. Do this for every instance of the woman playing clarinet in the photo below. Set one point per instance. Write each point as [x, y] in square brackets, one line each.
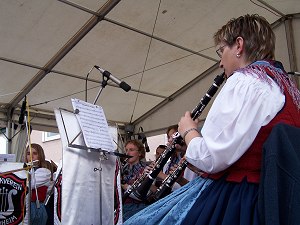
[40, 182]
[257, 95]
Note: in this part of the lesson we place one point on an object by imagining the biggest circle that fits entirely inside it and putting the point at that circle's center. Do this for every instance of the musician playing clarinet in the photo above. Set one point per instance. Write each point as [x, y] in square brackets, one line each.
[40, 182]
[131, 171]
[257, 96]
[187, 174]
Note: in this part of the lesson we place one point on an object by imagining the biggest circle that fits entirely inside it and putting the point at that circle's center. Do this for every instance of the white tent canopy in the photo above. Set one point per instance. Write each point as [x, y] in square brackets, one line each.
[162, 48]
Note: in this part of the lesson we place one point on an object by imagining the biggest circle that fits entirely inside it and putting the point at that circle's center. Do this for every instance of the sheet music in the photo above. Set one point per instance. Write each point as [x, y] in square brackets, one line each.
[93, 124]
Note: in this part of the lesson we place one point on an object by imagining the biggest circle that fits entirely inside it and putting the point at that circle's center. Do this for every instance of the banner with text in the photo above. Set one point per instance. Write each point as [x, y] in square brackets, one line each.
[13, 194]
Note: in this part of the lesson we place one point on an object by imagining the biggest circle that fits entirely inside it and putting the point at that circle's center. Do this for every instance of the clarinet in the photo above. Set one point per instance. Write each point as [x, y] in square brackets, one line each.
[167, 184]
[141, 187]
[132, 187]
[122, 170]
[166, 187]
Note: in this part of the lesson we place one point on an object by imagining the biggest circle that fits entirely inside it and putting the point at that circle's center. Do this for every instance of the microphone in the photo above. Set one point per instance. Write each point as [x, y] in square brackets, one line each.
[294, 73]
[147, 149]
[23, 111]
[108, 75]
[142, 136]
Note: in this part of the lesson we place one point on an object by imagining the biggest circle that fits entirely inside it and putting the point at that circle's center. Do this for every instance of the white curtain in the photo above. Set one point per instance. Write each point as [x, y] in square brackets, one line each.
[19, 141]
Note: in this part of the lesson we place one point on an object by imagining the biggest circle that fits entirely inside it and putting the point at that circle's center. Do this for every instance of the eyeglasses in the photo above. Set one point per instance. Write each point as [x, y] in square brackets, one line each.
[219, 51]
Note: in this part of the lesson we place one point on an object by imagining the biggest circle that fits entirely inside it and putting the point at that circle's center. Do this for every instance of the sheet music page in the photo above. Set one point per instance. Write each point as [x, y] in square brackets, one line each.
[93, 124]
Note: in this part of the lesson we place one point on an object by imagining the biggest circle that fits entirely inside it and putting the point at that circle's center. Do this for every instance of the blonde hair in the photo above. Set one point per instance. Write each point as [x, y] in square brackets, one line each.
[139, 145]
[257, 33]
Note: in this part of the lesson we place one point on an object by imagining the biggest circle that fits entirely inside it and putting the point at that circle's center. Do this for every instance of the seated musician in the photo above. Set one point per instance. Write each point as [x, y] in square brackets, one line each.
[159, 150]
[188, 174]
[257, 95]
[131, 171]
[171, 165]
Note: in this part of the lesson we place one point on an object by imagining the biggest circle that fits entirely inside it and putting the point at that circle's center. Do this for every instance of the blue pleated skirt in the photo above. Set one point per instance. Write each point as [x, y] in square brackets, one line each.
[225, 203]
[38, 216]
[172, 209]
[204, 202]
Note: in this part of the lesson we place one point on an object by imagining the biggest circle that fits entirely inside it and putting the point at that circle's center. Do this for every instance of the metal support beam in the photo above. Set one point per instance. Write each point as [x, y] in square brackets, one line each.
[140, 31]
[75, 76]
[101, 13]
[161, 40]
[271, 8]
[9, 136]
[289, 31]
[176, 94]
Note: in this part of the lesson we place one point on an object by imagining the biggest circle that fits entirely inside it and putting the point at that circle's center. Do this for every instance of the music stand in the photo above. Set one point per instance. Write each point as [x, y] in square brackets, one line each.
[74, 142]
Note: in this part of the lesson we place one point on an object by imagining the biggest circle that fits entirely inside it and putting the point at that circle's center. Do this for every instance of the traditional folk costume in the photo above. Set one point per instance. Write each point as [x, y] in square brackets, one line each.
[253, 100]
[40, 181]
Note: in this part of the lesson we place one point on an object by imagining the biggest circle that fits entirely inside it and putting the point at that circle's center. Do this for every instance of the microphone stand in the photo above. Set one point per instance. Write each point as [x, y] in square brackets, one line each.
[103, 85]
[32, 168]
[86, 80]
[102, 154]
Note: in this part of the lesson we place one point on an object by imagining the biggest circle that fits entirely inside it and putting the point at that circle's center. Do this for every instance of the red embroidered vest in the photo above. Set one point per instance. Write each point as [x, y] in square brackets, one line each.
[249, 164]
[42, 193]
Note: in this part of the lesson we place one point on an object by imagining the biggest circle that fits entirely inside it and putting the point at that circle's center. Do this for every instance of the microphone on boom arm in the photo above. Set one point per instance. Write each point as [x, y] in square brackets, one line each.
[294, 73]
[143, 137]
[108, 75]
[23, 111]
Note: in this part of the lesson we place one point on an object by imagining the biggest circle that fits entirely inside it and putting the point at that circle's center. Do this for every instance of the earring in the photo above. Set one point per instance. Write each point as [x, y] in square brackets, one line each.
[238, 55]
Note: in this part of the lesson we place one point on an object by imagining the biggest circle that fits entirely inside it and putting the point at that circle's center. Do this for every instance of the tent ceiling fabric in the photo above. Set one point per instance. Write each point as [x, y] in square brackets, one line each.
[158, 47]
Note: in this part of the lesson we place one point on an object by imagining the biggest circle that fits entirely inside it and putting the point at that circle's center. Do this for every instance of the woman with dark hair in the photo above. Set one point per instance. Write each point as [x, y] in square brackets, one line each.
[160, 149]
[40, 181]
[257, 95]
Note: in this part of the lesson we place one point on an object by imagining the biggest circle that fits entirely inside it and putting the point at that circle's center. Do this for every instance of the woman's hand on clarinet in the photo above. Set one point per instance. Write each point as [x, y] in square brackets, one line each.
[187, 127]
